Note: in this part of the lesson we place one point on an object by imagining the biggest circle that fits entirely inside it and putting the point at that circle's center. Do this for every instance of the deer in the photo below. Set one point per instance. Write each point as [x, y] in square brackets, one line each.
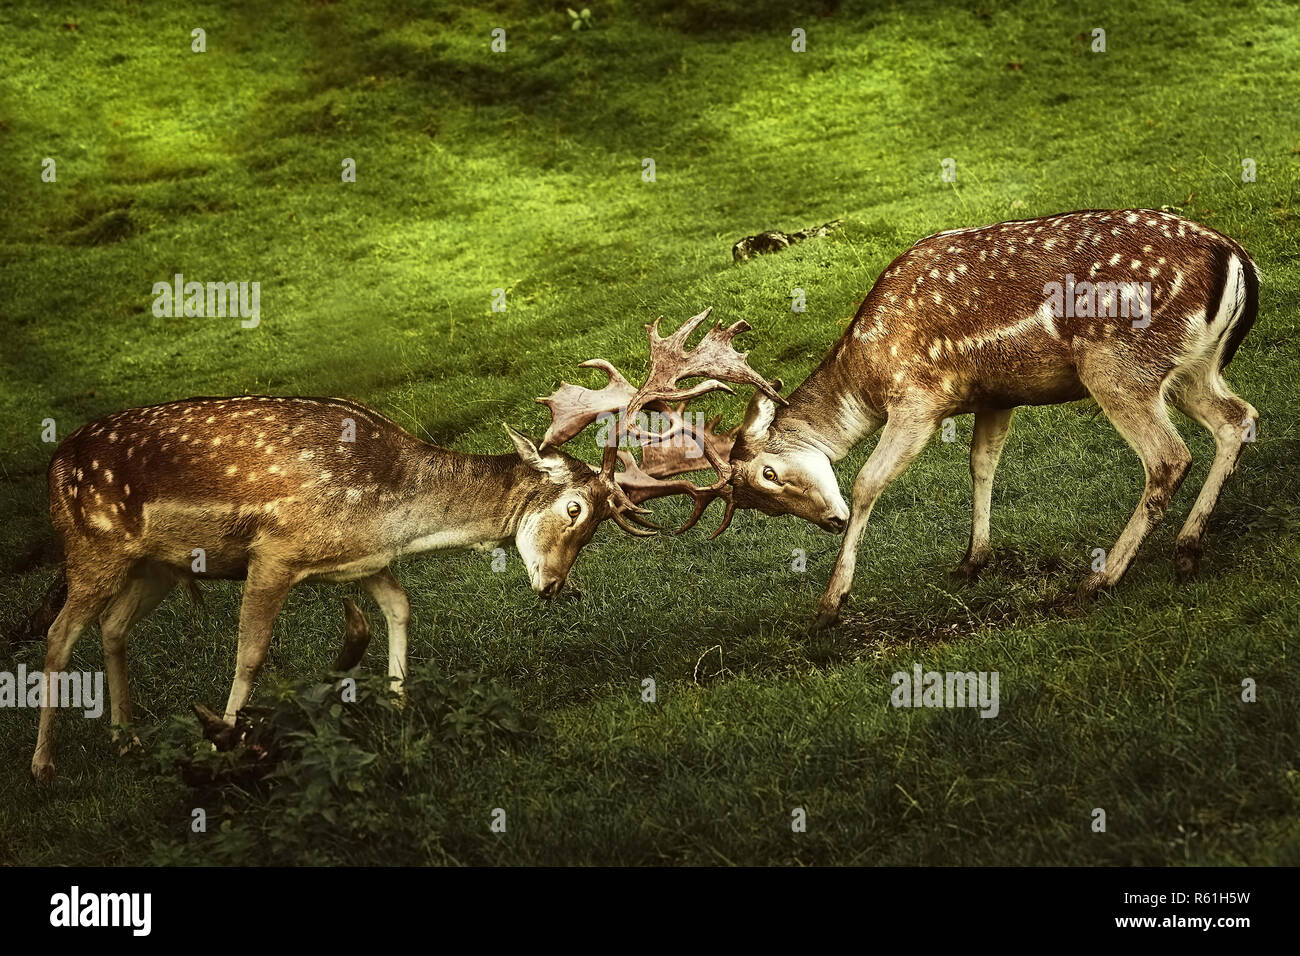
[1136, 308]
[281, 490]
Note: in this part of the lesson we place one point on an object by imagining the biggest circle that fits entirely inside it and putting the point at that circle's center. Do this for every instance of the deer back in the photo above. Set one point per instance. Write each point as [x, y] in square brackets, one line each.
[1005, 315]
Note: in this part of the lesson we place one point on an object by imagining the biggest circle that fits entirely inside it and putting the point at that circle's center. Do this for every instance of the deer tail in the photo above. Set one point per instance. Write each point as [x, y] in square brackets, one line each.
[1246, 314]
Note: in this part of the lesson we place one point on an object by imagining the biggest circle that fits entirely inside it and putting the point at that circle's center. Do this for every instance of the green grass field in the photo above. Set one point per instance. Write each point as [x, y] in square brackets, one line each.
[522, 171]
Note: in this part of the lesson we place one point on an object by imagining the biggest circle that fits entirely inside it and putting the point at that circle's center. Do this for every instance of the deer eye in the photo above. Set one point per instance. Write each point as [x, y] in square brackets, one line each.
[768, 473]
[574, 509]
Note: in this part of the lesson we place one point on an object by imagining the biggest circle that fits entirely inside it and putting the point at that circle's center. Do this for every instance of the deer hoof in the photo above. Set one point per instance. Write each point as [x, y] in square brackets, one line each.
[828, 613]
[825, 620]
[43, 773]
[128, 743]
[1187, 559]
[969, 570]
[1089, 588]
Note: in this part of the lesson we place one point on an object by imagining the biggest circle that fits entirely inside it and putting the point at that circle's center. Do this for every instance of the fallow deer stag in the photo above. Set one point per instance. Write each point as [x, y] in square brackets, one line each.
[282, 490]
[1135, 308]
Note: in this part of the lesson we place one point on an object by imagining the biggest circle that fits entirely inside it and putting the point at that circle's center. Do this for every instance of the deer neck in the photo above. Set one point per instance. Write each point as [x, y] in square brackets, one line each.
[827, 412]
[462, 500]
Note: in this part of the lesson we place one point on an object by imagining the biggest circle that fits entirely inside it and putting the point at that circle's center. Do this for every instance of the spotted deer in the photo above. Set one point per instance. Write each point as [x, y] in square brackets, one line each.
[1135, 308]
[277, 491]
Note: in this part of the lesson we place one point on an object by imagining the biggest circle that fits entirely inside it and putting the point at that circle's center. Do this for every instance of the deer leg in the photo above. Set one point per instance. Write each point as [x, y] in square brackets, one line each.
[84, 601]
[1144, 423]
[390, 597]
[900, 442]
[144, 592]
[264, 594]
[1228, 418]
[356, 637]
[991, 427]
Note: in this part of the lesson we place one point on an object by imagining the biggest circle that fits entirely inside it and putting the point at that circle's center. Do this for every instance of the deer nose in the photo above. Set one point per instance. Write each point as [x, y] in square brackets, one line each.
[551, 588]
[835, 525]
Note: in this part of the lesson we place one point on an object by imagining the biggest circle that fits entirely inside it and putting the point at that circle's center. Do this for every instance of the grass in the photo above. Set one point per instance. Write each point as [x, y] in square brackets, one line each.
[522, 171]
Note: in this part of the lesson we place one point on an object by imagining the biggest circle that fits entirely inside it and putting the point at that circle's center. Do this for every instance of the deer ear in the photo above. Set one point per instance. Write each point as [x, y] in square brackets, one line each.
[549, 463]
[759, 415]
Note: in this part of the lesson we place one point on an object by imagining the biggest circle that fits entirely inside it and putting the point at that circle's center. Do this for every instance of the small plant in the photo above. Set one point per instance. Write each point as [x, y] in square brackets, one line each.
[310, 779]
[580, 21]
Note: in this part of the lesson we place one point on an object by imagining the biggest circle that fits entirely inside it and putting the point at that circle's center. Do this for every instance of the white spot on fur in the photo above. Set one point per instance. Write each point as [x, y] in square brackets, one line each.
[1049, 321]
[1177, 284]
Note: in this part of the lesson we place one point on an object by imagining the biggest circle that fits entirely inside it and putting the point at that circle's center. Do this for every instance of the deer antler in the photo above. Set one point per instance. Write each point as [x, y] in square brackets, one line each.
[697, 450]
[715, 356]
[638, 485]
[664, 460]
[573, 407]
[625, 509]
[676, 449]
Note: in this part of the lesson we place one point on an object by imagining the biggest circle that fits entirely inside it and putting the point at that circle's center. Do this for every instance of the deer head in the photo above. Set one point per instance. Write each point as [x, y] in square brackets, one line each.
[777, 472]
[567, 503]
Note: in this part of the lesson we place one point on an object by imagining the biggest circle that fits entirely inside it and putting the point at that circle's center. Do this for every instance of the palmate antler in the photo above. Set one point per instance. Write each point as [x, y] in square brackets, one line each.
[698, 450]
[680, 447]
